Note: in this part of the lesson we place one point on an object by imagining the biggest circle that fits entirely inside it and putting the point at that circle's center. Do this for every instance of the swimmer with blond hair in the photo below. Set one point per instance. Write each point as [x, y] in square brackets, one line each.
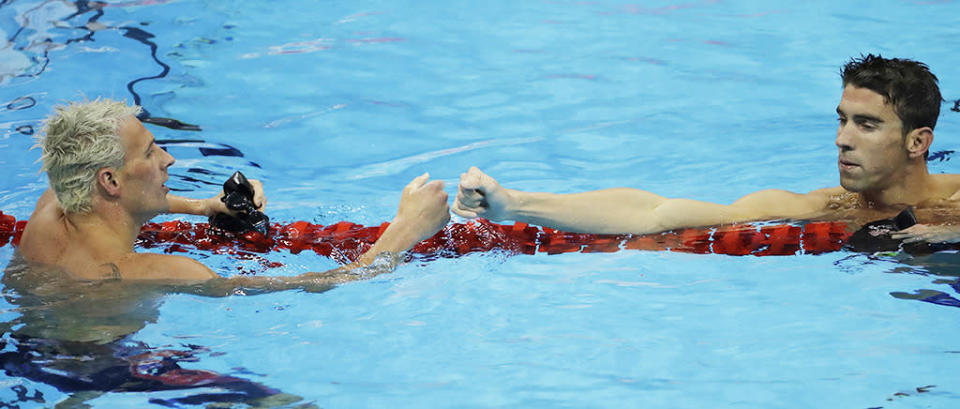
[83, 290]
[107, 178]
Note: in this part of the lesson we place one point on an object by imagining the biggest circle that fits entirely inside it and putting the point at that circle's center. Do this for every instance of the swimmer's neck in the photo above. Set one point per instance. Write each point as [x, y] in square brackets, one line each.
[914, 186]
[108, 227]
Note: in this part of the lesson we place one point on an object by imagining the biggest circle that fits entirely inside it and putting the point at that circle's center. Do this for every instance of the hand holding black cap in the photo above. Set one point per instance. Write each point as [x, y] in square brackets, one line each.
[238, 196]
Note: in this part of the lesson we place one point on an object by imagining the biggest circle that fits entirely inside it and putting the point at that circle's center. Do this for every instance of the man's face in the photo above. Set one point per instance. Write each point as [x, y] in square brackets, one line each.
[870, 139]
[144, 170]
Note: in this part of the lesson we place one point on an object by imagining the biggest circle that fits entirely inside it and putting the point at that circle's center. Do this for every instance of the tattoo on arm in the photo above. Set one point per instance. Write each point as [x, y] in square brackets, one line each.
[112, 274]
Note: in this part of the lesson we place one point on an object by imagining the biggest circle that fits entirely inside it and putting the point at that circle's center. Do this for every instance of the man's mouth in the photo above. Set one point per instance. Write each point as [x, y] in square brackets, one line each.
[846, 164]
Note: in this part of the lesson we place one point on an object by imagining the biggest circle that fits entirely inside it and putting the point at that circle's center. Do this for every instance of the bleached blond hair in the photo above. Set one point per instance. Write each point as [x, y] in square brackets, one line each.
[78, 140]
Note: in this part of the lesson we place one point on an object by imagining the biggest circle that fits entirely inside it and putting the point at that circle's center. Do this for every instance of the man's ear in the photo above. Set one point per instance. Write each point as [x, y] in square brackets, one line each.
[918, 142]
[108, 182]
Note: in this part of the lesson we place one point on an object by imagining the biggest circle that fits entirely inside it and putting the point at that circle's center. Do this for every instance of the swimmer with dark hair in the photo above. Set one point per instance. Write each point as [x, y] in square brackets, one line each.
[887, 113]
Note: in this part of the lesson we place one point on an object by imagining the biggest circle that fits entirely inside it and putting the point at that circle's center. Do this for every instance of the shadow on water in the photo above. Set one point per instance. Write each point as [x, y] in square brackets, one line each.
[943, 267]
[88, 28]
[83, 20]
[77, 337]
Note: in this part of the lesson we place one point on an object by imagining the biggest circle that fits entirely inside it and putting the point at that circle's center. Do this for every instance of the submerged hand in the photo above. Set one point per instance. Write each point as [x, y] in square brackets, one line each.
[928, 233]
[479, 195]
[423, 208]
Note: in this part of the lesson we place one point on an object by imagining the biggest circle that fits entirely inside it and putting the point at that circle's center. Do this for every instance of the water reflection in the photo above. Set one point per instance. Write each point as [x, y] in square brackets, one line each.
[78, 338]
[943, 267]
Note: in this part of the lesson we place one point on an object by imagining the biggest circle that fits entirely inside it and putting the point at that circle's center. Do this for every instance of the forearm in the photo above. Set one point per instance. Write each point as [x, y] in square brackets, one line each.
[610, 211]
[634, 211]
[183, 205]
[381, 258]
[253, 285]
[310, 282]
[385, 254]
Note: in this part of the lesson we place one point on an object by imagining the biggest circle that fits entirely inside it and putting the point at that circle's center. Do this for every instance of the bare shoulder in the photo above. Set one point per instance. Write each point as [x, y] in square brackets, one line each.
[776, 203]
[45, 237]
[829, 192]
[948, 178]
[160, 267]
[950, 185]
[834, 202]
[814, 197]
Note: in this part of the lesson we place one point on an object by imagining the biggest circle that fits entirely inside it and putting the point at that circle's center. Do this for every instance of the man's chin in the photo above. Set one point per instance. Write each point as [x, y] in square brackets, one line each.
[161, 209]
[851, 185]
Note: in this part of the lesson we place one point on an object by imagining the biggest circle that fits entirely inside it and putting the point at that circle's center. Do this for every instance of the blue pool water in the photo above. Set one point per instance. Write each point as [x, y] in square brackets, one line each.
[336, 105]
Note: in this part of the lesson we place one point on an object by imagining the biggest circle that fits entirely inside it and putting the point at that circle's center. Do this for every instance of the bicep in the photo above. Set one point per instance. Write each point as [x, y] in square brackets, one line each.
[165, 267]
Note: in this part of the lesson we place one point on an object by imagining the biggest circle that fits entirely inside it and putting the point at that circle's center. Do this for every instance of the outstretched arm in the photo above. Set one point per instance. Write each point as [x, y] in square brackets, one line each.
[622, 210]
[422, 212]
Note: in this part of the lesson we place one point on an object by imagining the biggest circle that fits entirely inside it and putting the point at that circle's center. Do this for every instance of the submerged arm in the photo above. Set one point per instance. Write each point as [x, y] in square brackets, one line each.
[309, 282]
[381, 258]
[422, 212]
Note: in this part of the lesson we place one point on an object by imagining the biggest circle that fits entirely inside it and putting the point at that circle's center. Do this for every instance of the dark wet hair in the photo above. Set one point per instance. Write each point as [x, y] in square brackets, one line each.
[906, 84]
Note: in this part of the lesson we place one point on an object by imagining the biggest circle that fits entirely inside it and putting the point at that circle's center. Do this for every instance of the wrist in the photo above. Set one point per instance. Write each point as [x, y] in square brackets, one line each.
[399, 236]
[207, 207]
[516, 204]
[197, 207]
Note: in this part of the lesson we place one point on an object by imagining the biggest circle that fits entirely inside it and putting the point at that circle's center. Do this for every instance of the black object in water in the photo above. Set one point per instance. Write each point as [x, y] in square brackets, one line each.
[168, 122]
[238, 196]
[875, 236]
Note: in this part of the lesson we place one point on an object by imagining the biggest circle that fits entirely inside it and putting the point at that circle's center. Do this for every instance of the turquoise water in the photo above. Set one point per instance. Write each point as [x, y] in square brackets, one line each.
[336, 105]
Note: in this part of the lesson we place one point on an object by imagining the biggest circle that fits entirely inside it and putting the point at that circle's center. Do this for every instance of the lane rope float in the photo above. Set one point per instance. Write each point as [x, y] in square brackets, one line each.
[345, 241]
[249, 232]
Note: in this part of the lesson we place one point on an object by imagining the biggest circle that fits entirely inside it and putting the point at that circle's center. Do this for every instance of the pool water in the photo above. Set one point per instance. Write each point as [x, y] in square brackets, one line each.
[337, 105]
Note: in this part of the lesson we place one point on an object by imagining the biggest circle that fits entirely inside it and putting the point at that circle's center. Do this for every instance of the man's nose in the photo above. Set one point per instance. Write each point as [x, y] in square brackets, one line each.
[169, 159]
[844, 140]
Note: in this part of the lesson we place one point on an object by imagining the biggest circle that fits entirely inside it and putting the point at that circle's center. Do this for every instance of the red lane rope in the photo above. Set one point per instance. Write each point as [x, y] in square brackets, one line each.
[345, 241]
